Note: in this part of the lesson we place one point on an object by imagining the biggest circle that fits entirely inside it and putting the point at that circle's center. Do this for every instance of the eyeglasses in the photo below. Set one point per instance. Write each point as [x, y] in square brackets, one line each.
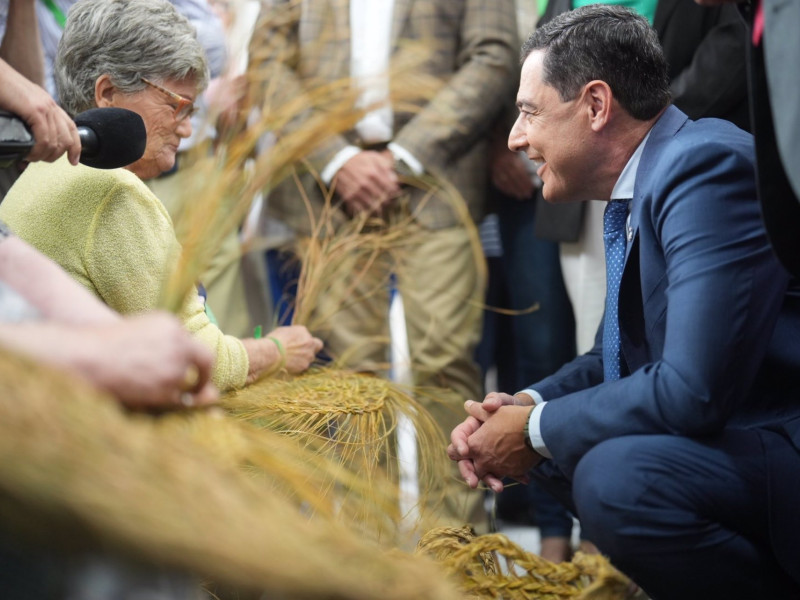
[185, 107]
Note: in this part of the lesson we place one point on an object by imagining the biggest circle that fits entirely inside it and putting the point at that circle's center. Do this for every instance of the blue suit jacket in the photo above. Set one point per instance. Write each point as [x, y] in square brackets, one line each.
[700, 298]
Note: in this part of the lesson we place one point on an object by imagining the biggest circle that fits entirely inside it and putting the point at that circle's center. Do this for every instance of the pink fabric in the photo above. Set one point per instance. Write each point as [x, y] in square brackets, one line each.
[758, 24]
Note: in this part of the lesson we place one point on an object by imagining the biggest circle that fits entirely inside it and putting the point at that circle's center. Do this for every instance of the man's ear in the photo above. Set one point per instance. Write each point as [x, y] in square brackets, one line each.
[598, 98]
[104, 92]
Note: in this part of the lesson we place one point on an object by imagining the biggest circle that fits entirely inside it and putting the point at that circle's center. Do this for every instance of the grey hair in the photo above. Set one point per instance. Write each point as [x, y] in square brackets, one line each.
[607, 43]
[126, 40]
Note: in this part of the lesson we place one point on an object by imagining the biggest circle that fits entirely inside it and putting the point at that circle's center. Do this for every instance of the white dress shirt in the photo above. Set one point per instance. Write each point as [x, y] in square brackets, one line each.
[370, 54]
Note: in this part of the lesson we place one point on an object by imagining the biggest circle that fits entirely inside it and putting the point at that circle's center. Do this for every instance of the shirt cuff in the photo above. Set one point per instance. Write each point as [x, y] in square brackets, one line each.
[337, 162]
[537, 397]
[401, 153]
[535, 430]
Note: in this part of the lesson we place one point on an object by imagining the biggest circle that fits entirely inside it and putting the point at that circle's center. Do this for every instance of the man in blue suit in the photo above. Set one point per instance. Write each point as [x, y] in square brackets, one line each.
[676, 438]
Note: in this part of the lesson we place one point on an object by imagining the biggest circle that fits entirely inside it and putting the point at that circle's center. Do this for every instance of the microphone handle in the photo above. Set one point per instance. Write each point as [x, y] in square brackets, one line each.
[15, 139]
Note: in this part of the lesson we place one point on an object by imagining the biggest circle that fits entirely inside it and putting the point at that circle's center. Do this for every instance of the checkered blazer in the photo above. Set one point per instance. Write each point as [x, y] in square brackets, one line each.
[473, 52]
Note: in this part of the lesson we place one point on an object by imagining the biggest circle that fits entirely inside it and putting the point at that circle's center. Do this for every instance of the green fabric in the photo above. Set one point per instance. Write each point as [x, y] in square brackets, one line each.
[646, 8]
[210, 315]
[57, 13]
[114, 237]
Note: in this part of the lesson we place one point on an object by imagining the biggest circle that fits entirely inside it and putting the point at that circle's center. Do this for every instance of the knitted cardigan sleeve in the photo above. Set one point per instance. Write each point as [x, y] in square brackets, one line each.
[230, 358]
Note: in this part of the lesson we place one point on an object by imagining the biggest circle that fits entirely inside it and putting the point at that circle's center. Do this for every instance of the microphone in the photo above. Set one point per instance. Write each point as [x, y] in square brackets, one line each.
[110, 138]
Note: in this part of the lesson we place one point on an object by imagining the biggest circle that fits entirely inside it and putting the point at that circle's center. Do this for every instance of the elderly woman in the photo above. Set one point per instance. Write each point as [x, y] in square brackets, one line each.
[106, 228]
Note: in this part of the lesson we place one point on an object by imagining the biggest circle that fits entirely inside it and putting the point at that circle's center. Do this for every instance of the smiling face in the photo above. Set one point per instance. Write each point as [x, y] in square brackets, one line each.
[164, 130]
[555, 133]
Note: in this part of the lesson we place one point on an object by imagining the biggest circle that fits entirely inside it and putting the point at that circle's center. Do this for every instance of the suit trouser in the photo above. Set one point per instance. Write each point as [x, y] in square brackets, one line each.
[442, 290]
[686, 519]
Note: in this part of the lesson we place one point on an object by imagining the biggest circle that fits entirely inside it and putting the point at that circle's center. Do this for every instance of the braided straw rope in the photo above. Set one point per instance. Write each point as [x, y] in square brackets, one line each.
[473, 562]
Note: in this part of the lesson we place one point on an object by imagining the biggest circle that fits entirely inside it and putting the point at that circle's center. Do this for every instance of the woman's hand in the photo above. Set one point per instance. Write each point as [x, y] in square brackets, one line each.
[298, 345]
[53, 130]
[149, 361]
[292, 348]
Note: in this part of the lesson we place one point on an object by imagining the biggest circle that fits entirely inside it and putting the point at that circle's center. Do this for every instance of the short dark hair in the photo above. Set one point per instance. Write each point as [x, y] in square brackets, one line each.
[609, 43]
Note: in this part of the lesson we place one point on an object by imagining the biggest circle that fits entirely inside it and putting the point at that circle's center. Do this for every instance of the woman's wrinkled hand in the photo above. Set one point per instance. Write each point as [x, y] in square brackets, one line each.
[297, 347]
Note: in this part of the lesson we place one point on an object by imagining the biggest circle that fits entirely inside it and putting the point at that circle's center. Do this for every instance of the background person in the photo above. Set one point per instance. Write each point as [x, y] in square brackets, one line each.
[773, 49]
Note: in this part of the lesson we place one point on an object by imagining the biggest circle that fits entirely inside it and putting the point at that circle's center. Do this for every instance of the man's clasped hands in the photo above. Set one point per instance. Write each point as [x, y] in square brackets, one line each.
[491, 442]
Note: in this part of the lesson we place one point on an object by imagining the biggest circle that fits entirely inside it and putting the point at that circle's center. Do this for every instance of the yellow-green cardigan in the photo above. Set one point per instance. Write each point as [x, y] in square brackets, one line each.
[109, 232]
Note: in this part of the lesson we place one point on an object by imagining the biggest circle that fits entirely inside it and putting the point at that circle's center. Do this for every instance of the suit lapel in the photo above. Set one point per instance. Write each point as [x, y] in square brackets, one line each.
[669, 123]
[633, 287]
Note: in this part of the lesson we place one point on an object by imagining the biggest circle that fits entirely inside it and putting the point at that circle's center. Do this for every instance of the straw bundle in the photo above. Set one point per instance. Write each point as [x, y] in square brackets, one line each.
[350, 419]
[320, 487]
[72, 464]
[473, 562]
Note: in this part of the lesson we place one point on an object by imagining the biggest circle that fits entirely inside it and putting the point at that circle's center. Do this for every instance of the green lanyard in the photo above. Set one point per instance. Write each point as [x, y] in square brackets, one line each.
[58, 14]
[646, 8]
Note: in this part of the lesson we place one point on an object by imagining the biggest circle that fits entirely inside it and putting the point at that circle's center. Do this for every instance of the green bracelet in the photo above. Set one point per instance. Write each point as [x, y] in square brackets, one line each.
[282, 364]
[526, 432]
[281, 350]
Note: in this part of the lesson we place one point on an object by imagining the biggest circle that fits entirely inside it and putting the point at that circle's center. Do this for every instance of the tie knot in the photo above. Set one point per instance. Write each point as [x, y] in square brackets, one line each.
[615, 215]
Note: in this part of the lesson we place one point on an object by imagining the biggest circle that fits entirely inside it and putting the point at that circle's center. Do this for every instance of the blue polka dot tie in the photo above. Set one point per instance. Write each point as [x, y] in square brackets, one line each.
[614, 239]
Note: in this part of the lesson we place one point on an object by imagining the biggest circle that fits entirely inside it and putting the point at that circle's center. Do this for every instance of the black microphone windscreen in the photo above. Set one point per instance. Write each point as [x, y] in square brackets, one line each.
[120, 137]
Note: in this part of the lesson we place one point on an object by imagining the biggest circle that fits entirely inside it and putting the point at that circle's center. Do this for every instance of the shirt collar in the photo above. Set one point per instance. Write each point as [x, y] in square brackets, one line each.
[623, 189]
